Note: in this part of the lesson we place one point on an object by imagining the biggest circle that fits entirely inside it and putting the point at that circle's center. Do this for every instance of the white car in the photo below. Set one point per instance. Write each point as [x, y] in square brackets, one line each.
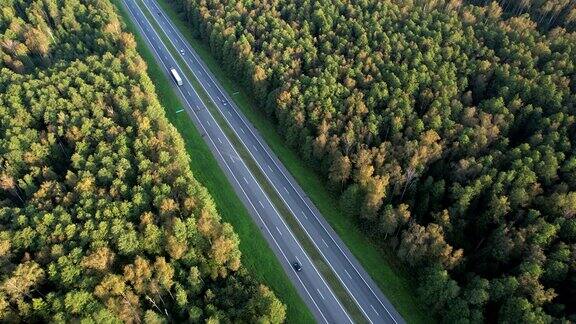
[182, 51]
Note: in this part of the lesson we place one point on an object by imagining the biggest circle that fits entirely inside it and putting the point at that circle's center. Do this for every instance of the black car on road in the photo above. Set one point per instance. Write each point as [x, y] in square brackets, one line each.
[297, 266]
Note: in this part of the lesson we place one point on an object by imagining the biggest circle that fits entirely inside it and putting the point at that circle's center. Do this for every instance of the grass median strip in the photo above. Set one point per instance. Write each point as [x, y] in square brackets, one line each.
[257, 257]
[303, 238]
[392, 278]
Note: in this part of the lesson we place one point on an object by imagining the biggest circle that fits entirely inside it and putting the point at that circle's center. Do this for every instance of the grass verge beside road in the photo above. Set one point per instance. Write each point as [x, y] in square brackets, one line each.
[382, 266]
[257, 256]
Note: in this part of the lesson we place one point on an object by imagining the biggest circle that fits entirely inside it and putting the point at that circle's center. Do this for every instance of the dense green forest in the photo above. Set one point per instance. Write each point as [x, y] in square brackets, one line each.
[445, 127]
[101, 219]
[547, 13]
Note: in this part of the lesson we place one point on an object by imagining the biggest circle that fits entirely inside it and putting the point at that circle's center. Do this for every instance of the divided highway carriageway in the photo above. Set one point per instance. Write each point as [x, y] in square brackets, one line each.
[216, 127]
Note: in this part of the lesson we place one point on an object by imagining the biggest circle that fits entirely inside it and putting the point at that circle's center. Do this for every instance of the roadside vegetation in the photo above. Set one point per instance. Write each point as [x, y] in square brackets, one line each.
[547, 14]
[101, 218]
[444, 129]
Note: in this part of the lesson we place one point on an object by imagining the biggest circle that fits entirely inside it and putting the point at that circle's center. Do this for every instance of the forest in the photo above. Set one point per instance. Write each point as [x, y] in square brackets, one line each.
[446, 129]
[101, 219]
[548, 14]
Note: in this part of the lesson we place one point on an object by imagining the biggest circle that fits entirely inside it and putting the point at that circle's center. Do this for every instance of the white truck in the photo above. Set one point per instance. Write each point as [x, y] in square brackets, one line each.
[176, 76]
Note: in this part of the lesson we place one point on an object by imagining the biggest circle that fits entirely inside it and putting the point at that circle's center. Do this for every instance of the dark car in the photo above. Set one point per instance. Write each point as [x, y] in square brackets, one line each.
[297, 266]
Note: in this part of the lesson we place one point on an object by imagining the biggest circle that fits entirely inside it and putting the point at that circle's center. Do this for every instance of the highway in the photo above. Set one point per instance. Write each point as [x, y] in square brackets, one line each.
[309, 282]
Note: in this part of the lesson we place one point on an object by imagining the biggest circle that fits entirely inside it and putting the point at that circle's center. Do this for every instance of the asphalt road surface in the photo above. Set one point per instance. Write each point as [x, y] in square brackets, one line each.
[309, 282]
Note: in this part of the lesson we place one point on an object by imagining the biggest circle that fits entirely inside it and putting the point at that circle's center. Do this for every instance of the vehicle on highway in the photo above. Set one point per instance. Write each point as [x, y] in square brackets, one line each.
[297, 266]
[176, 76]
[182, 51]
